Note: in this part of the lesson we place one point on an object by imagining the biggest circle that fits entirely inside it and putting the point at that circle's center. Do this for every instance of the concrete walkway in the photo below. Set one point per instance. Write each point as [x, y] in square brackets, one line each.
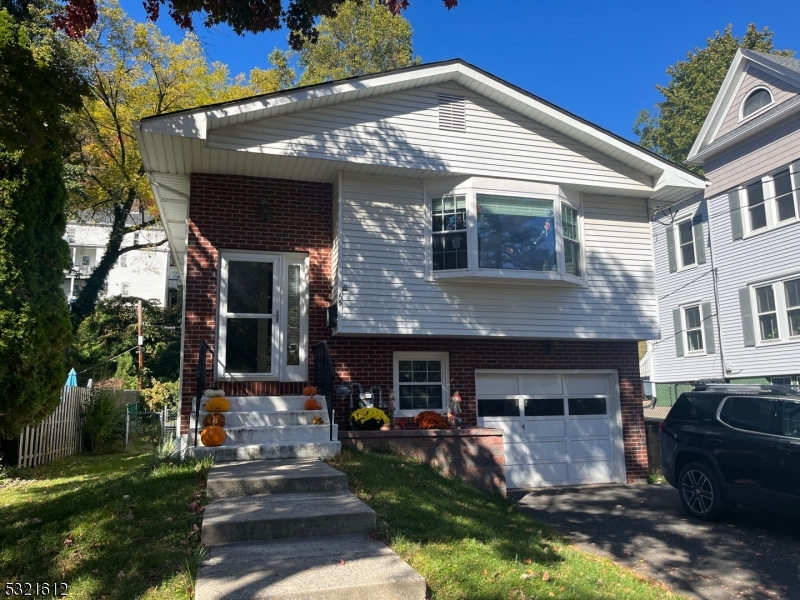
[749, 554]
[291, 530]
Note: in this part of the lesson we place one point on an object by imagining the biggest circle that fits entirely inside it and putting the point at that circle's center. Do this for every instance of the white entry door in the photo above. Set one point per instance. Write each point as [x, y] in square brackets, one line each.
[559, 428]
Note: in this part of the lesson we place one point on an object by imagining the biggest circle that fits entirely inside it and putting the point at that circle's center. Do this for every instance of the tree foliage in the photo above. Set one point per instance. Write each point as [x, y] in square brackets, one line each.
[362, 38]
[672, 126]
[243, 16]
[34, 322]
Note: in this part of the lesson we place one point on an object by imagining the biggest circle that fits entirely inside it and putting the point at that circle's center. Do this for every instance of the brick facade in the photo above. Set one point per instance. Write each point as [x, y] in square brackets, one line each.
[224, 214]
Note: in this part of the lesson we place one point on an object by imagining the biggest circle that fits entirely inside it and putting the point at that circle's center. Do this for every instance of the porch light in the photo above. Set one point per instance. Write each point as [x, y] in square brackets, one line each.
[264, 206]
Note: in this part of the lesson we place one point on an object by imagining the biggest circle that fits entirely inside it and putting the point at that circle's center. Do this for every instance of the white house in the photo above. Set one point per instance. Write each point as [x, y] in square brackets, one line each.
[728, 260]
[438, 229]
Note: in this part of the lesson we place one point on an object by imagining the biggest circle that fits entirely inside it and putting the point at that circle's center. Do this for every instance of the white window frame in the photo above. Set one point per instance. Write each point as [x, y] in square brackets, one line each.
[473, 270]
[444, 357]
[764, 108]
[770, 203]
[679, 249]
[123, 260]
[685, 328]
[125, 289]
[70, 235]
[781, 309]
[280, 370]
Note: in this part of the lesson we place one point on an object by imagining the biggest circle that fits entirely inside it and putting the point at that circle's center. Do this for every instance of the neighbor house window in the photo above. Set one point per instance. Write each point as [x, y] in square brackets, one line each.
[70, 235]
[686, 243]
[421, 381]
[136, 238]
[755, 206]
[767, 313]
[123, 260]
[791, 290]
[693, 326]
[263, 317]
[505, 236]
[757, 100]
[784, 195]
[772, 200]
[126, 289]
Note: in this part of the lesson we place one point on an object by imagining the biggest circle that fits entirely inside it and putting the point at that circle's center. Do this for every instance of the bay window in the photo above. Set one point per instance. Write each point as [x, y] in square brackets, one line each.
[504, 235]
[263, 317]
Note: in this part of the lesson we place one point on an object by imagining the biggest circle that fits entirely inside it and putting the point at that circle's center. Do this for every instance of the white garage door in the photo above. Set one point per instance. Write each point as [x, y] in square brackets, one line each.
[559, 428]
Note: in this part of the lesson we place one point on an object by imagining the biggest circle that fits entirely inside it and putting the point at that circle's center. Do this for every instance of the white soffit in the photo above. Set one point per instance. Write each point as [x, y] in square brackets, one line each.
[193, 125]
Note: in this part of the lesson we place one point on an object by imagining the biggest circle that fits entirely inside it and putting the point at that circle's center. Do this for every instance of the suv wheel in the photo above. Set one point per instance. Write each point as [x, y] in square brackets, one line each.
[700, 492]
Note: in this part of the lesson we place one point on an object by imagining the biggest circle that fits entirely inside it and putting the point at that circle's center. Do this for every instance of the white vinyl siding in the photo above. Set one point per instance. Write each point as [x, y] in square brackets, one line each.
[402, 130]
[383, 265]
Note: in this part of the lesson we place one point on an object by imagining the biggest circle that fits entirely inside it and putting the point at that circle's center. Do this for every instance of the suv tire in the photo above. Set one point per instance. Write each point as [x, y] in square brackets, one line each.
[700, 492]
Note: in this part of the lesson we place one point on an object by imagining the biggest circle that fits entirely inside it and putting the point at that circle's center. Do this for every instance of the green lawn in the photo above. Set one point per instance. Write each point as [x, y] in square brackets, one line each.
[111, 526]
[475, 546]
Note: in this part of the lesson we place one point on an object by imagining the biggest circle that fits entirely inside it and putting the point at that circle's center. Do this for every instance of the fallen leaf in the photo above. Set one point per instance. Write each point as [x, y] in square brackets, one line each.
[121, 575]
[546, 576]
[525, 576]
[68, 541]
[169, 519]
[528, 561]
[36, 520]
[126, 497]
[129, 516]
[193, 506]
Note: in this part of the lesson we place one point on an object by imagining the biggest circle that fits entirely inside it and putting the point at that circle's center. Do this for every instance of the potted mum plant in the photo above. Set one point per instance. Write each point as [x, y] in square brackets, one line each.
[368, 419]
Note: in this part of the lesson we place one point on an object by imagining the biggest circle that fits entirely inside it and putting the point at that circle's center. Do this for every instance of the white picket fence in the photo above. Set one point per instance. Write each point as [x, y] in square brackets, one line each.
[59, 435]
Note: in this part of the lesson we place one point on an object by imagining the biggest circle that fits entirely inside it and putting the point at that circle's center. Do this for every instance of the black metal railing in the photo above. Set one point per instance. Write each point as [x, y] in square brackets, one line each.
[324, 376]
[200, 378]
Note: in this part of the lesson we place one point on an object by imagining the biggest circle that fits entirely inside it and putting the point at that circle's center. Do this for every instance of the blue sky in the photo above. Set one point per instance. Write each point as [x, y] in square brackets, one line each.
[598, 60]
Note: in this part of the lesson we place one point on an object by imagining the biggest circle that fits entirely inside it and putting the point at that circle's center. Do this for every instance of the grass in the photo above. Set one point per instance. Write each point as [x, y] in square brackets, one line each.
[112, 526]
[473, 545]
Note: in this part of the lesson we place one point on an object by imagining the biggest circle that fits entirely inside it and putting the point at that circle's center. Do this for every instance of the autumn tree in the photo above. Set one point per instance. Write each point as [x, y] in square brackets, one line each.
[38, 85]
[243, 16]
[362, 38]
[672, 126]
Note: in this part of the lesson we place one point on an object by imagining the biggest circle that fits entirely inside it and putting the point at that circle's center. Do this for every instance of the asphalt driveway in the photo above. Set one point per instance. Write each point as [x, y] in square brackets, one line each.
[749, 554]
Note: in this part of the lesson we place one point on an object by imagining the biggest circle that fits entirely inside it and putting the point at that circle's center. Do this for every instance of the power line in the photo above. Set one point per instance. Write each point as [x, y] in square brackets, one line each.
[684, 286]
[107, 360]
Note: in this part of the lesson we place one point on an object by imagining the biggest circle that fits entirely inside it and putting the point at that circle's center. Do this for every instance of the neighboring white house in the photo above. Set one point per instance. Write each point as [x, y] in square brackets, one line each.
[728, 262]
[147, 274]
[434, 229]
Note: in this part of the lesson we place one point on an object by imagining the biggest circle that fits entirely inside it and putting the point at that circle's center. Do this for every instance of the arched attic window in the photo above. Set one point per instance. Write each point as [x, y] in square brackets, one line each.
[758, 99]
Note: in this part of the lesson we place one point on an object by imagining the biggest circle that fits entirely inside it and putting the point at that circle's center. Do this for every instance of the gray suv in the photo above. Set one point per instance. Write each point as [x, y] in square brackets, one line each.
[723, 445]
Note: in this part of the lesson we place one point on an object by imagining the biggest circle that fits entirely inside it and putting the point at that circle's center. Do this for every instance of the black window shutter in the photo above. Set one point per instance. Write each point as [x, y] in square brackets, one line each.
[735, 206]
[673, 259]
[678, 329]
[708, 328]
[746, 309]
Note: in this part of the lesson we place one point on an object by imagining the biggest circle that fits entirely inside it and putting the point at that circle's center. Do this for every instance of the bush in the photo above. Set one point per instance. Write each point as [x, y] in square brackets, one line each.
[161, 395]
[103, 418]
[431, 420]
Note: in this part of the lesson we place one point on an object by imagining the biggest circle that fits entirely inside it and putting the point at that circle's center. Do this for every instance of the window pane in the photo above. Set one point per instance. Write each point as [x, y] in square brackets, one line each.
[250, 287]
[449, 250]
[791, 419]
[544, 407]
[248, 346]
[421, 397]
[756, 100]
[570, 223]
[516, 233]
[758, 217]
[755, 199]
[587, 406]
[687, 254]
[769, 326]
[794, 322]
[572, 258]
[685, 232]
[766, 299]
[783, 193]
[781, 380]
[750, 414]
[498, 408]
[695, 340]
[293, 317]
[693, 317]
[792, 288]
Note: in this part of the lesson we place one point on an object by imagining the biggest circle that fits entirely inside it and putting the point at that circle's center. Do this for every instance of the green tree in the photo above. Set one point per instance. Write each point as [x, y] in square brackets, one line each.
[672, 126]
[37, 86]
[253, 16]
[362, 38]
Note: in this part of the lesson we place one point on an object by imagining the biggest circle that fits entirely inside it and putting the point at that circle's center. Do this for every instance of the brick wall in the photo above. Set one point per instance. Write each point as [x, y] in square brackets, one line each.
[475, 455]
[224, 214]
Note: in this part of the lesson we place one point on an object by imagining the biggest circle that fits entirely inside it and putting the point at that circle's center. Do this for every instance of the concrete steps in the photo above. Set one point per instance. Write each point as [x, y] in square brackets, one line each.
[228, 452]
[290, 530]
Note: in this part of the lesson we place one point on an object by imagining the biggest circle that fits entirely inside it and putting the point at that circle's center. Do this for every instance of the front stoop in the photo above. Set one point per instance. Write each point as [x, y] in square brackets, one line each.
[290, 530]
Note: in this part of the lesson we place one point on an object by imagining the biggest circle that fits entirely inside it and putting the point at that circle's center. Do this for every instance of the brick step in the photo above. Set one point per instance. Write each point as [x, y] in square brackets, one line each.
[273, 477]
[283, 516]
[238, 452]
[308, 568]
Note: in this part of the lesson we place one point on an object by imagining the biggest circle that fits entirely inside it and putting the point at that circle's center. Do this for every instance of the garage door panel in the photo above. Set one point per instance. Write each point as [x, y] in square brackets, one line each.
[540, 386]
[516, 453]
[545, 428]
[591, 472]
[541, 473]
[586, 385]
[500, 385]
[588, 427]
[590, 449]
[555, 450]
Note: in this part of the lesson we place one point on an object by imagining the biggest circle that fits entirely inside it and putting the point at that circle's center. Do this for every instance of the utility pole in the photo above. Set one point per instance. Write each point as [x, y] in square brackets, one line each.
[141, 345]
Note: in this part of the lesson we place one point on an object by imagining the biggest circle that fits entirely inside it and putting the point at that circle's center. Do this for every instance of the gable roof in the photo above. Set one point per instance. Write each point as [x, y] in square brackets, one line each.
[707, 144]
[176, 144]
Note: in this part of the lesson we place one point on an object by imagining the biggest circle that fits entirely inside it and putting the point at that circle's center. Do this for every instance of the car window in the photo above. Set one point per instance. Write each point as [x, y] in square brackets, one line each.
[694, 407]
[790, 425]
[750, 414]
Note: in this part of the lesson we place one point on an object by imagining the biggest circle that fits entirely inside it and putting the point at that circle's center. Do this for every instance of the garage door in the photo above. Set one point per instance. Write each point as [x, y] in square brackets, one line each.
[559, 428]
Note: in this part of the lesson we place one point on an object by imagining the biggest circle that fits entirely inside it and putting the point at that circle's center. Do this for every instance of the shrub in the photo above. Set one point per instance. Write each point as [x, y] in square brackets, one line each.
[103, 418]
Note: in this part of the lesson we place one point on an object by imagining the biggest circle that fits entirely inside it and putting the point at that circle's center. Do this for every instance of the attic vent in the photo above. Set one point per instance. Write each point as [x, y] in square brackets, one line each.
[452, 113]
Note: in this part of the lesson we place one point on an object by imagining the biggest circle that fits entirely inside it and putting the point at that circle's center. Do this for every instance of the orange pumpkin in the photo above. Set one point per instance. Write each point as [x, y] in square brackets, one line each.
[312, 404]
[217, 420]
[212, 436]
[309, 390]
[218, 404]
[207, 421]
